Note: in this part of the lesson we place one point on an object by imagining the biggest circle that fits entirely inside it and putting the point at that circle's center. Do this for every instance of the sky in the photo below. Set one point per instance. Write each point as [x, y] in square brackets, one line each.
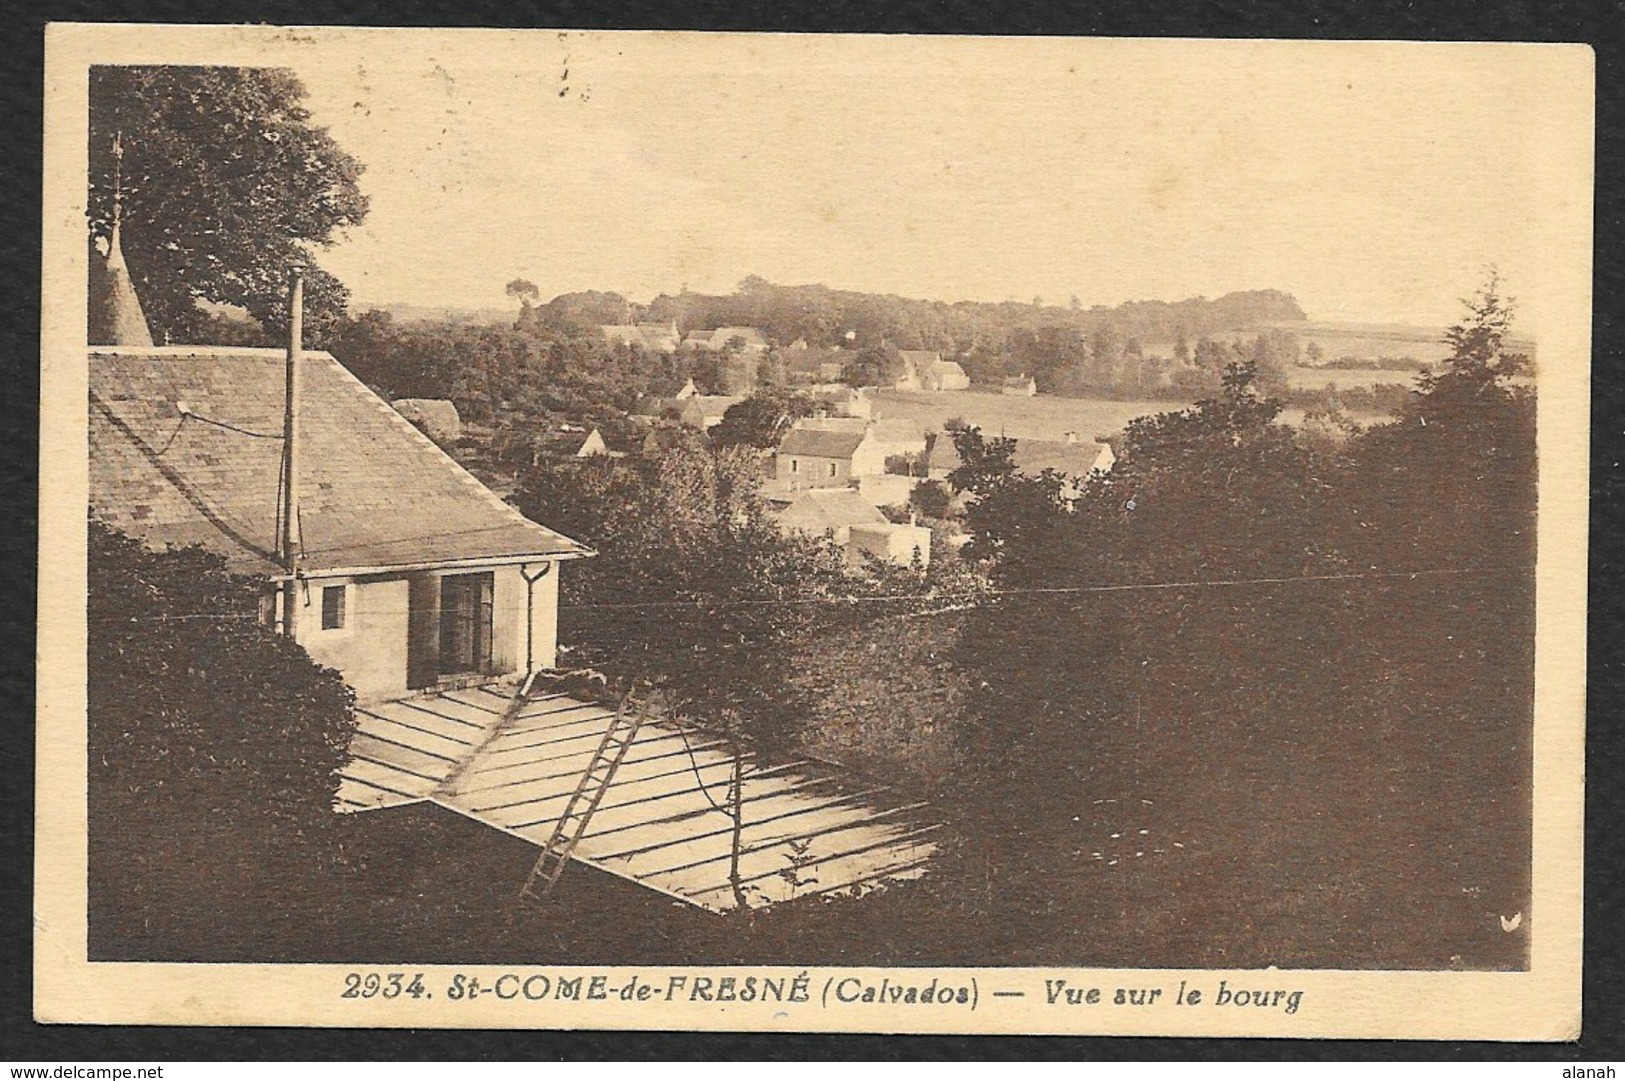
[1374, 183]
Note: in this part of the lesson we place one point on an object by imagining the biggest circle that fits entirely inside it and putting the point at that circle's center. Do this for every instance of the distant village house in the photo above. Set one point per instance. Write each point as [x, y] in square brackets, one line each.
[924, 369]
[818, 456]
[746, 339]
[852, 522]
[654, 337]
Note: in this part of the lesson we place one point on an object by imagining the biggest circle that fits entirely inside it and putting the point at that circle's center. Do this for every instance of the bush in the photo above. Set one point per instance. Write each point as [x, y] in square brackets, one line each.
[214, 750]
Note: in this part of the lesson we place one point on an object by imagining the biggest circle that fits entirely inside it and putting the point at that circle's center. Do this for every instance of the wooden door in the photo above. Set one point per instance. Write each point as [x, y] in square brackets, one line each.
[466, 618]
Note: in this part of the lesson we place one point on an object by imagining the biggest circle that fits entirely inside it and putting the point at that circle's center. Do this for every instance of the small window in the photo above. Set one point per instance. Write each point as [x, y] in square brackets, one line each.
[794, 466]
[332, 608]
[832, 469]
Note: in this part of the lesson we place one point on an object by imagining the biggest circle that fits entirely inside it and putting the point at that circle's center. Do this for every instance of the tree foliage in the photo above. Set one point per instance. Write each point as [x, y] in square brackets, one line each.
[762, 419]
[226, 182]
[877, 365]
[1322, 645]
[214, 745]
[694, 587]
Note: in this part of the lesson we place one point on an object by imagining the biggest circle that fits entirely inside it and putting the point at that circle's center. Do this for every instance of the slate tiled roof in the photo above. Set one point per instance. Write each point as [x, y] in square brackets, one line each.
[374, 492]
[822, 443]
[824, 509]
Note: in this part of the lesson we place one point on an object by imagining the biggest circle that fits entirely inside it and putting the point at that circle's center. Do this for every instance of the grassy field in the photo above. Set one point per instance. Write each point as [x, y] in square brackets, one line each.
[1049, 417]
[1039, 417]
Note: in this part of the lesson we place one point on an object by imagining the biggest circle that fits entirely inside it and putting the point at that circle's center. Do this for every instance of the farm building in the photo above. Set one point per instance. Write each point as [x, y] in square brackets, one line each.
[747, 339]
[924, 369]
[818, 365]
[822, 457]
[945, 375]
[1019, 386]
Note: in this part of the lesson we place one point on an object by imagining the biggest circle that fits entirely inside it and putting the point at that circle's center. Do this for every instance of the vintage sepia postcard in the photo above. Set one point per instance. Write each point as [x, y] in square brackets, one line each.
[813, 533]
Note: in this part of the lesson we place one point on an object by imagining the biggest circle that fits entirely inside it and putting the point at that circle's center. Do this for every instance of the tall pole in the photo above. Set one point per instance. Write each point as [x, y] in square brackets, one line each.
[289, 541]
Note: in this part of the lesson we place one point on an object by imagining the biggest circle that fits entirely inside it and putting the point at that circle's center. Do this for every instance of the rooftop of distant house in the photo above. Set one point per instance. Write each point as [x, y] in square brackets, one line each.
[823, 442]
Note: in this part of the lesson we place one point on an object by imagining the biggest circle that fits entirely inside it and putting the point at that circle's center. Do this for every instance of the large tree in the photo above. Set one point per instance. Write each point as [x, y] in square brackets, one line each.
[225, 183]
[761, 420]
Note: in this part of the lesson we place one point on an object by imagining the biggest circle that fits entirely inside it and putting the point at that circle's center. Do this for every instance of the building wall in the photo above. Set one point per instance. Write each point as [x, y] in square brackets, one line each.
[799, 471]
[371, 649]
[544, 627]
[869, 459]
[897, 543]
[886, 490]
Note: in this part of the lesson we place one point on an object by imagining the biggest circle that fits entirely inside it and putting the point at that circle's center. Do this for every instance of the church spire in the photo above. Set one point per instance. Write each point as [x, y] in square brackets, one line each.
[116, 316]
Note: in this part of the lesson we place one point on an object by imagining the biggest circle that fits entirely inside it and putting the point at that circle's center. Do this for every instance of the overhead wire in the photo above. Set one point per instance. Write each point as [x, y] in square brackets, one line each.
[230, 427]
[970, 601]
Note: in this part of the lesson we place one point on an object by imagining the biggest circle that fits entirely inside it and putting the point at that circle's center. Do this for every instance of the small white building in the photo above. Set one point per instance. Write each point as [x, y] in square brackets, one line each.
[893, 542]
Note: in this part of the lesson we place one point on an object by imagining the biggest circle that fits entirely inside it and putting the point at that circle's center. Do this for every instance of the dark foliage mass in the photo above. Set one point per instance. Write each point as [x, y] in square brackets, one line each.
[1310, 665]
[762, 419]
[214, 744]
[696, 588]
[225, 184]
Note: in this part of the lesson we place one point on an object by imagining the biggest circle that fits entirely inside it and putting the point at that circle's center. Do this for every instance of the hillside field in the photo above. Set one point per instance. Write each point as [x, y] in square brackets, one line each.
[1047, 416]
[1040, 417]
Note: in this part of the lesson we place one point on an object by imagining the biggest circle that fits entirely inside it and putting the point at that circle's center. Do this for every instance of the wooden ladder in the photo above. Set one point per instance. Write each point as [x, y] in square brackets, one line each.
[589, 791]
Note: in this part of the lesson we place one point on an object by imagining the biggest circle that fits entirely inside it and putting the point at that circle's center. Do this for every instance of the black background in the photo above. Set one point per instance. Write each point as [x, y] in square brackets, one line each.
[21, 77]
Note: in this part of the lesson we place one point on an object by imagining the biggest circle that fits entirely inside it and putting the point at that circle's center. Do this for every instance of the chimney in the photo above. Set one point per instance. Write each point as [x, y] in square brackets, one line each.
[1071, 438]
[288, 543]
